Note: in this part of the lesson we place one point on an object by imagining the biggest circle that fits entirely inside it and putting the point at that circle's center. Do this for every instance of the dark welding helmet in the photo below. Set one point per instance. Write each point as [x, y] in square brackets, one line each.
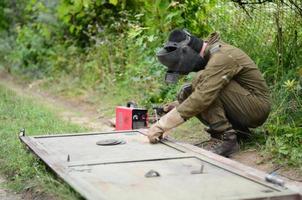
[180, 58]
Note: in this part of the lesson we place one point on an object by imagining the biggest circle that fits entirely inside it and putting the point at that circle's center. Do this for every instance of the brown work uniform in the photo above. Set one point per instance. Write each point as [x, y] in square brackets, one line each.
[229, 92]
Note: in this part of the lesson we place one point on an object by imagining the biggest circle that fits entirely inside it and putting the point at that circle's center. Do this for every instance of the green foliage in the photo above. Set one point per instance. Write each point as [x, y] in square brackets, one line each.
[85, 19]
[30, 52]
[285, 144]
[3, 18]
[11, 13]
[258, 34]
[33, 41]
[285, 123]
[196, 16]
[25, 171]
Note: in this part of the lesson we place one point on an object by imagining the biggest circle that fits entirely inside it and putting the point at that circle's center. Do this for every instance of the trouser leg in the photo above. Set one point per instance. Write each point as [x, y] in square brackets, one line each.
[243, 109]
[215, 117]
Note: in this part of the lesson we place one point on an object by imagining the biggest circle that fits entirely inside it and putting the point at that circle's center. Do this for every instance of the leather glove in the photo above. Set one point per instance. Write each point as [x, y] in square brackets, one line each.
[171, 120]
[185, 91]
[169, 106]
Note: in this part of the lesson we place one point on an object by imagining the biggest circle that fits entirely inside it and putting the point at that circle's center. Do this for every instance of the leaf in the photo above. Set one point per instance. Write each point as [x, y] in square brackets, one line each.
[300, 71]
[283, 150]
[71, 28]
[86, 3]
[113, 2]
[151, 38]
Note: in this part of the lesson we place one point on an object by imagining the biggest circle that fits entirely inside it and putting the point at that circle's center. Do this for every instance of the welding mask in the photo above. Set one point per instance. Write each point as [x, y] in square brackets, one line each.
[180, 59]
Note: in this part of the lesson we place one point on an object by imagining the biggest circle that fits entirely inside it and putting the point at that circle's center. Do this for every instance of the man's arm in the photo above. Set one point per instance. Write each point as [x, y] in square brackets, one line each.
[218, 73]
[220, 69]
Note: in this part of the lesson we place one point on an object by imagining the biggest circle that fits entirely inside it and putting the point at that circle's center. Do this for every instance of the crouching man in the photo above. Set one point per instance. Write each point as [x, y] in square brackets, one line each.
[228, 94]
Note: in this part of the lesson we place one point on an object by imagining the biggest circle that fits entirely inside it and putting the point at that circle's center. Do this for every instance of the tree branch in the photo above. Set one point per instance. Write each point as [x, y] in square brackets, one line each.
[298, 7]
[242, 2]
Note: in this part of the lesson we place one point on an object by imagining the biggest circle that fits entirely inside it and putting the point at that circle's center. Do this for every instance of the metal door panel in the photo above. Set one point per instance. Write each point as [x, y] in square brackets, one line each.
[118, 171]
[128, 181]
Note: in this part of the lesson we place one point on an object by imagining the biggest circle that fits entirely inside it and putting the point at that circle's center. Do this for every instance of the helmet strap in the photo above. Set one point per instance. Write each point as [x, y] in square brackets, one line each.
[201, 53]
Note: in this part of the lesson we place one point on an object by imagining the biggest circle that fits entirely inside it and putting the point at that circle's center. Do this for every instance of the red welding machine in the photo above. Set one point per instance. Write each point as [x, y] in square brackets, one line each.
[128, 118]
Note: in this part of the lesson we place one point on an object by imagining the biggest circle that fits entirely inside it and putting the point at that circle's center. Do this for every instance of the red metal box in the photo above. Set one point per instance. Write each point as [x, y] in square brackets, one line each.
[129, 118]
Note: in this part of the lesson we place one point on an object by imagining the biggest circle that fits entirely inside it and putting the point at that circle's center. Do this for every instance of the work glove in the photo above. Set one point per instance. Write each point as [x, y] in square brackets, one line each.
[171, 120]
[184, 92]
[169, 106]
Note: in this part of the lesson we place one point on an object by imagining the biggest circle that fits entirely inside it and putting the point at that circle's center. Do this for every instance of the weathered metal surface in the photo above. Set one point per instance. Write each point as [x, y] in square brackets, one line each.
[136, 169]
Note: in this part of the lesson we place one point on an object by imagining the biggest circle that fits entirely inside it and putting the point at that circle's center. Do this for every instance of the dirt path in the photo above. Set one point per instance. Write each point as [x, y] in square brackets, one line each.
[5, 194]
[86, 114]
[74, 111]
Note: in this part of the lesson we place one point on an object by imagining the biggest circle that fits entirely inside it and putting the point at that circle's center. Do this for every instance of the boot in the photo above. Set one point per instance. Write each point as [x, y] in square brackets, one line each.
[243, 134]
[223, 144]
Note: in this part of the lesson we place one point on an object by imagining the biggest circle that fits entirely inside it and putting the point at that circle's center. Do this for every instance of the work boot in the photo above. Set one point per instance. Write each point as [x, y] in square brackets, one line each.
[243, 134]
[223, 144]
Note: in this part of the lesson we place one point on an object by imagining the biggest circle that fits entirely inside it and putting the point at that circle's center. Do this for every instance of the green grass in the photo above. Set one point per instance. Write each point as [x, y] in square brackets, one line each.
[22, 169]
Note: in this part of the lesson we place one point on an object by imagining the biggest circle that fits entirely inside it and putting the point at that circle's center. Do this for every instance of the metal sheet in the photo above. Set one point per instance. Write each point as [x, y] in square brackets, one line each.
[118, 171]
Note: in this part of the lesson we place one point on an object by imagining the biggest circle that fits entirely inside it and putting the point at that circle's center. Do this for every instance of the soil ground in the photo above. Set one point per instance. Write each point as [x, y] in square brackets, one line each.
[86, 114]
[5, 194]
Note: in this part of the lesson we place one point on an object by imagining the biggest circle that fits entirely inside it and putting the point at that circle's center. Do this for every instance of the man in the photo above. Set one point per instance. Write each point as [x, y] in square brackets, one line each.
[228, 94]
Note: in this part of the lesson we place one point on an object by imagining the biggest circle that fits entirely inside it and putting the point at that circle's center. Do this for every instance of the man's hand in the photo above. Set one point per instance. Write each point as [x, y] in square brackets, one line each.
[171, 120]
[155, 133]
[169, 106]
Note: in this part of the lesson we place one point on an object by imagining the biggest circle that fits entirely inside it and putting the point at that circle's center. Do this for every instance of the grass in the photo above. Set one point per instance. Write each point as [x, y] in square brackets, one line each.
[106, 98]
[22, 169]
